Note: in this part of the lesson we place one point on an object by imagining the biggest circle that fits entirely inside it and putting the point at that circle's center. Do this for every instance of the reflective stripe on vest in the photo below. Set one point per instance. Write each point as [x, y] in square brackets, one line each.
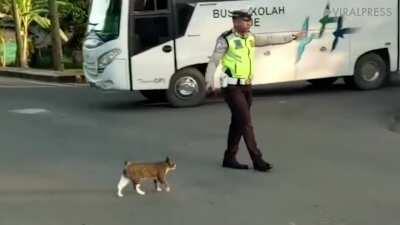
[239, 58]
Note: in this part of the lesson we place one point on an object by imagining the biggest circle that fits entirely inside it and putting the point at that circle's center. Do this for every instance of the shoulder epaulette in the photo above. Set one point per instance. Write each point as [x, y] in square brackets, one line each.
[226, 33]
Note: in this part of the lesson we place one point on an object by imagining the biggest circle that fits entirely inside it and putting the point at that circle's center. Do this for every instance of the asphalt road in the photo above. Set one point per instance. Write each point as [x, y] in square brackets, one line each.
[335, 152]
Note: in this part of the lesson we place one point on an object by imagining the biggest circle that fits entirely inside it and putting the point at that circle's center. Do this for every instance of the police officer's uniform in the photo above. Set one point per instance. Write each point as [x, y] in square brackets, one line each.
[236, 53]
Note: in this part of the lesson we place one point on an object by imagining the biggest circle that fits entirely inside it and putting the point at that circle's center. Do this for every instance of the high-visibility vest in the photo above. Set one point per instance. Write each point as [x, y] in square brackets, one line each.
[238, 61]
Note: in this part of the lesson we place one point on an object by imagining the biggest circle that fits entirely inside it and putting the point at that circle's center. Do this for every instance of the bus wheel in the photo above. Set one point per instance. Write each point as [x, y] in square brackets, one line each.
[370, 73]
[154, 95]
[323, 82]
[187, 88]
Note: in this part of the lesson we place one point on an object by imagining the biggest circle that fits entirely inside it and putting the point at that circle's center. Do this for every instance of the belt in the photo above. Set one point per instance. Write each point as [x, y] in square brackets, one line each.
[238, 81]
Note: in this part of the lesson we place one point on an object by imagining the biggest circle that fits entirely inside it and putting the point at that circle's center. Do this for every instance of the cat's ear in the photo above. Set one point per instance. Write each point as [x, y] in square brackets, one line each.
[167, 160]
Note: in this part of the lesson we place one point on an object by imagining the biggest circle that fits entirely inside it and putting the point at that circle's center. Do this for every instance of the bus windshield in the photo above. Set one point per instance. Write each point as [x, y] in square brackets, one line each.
[104, 18]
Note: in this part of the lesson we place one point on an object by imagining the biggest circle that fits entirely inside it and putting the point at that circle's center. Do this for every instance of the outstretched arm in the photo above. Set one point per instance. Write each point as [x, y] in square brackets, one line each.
[264, 40]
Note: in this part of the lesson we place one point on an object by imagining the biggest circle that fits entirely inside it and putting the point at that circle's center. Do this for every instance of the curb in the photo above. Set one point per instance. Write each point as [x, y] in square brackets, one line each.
[67, 76]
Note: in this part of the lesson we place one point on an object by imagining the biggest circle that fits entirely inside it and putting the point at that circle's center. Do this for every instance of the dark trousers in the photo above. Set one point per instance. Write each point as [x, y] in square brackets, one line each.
[239, 99]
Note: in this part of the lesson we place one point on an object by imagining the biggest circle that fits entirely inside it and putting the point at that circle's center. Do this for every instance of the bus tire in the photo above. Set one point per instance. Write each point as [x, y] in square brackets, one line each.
[187, 87]
[323, 82]
[154, 95]
[370, 73]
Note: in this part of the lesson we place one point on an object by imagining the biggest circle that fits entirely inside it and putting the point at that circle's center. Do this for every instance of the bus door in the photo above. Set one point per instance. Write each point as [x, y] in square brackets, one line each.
[151, 44]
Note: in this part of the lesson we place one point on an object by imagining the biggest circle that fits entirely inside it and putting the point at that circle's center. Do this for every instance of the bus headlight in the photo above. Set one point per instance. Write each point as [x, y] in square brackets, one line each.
[107, 58]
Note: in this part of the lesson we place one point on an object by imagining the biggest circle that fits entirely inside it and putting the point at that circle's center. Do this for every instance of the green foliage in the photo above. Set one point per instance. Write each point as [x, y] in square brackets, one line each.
[73, 15]
[73, 11]
[46, 61]
[33, 11]
[3, 41]
[2, 48]
[5, 7]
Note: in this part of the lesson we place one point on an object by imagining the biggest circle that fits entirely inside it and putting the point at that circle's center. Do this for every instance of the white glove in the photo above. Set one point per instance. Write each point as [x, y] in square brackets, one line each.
[213, 77]
[223, 80]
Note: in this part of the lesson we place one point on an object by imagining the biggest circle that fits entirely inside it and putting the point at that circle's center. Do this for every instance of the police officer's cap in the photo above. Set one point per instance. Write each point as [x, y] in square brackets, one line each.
[241, 14]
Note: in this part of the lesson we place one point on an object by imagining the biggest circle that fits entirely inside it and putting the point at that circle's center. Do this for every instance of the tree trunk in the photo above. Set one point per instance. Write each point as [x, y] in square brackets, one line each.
[25, 47]
[55, 34]
[18, 37]
[4, 47]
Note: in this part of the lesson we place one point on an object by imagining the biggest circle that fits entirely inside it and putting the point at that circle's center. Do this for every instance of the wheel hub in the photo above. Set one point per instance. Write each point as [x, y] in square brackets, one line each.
[186, 87]
[370, 72]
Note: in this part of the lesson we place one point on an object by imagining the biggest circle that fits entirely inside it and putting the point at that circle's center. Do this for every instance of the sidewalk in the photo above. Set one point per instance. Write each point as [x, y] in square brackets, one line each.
[67, 76]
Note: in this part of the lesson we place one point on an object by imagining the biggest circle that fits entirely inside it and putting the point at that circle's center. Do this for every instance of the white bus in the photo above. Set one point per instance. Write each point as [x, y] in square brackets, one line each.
[162, 47]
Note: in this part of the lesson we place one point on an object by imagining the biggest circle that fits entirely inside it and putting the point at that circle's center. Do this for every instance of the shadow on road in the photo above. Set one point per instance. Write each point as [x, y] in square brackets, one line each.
[140, 105]
[274, 90]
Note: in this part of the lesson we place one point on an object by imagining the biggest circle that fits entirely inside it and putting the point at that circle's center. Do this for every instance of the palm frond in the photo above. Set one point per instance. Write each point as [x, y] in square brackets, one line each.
[42, 21]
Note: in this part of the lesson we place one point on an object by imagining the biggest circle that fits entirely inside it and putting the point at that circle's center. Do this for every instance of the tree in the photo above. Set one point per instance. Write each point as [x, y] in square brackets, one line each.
[3, 48]
[56, 39]
[5, 11]
[3, 43]
[74, 14]
[24, 13]
[21, 57]
[74, 17]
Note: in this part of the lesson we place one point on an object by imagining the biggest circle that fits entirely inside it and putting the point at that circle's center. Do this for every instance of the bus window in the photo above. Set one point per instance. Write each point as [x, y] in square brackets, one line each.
[162, 4]
[104, 19]
[144, 5]
[151, 5]
[150, 32]
[185, 12]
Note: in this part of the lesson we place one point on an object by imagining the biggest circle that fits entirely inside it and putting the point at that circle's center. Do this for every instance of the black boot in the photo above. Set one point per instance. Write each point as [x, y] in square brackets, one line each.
[261, 165]
[234, 164]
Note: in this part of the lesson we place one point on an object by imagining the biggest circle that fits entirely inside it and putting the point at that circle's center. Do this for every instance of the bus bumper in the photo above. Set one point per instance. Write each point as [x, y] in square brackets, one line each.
[114, 77]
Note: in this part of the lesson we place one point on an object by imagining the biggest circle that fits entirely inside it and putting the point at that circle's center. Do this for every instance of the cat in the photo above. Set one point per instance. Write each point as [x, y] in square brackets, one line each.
[138, 172]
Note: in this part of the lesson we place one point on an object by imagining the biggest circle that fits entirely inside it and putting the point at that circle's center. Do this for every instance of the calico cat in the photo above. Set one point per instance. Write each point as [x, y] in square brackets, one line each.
[138, 172]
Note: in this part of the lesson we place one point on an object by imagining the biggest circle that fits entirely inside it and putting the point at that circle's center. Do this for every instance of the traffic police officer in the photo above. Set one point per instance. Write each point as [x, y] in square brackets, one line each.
[235, 50]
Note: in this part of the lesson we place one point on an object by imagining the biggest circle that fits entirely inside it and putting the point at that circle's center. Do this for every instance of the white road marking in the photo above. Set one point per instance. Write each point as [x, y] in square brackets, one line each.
[30, 111]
